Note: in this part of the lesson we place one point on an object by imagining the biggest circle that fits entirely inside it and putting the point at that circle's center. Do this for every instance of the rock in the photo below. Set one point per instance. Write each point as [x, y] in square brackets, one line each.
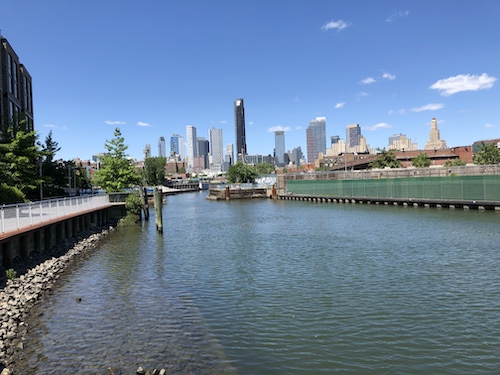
[140, 371]
[21, 294]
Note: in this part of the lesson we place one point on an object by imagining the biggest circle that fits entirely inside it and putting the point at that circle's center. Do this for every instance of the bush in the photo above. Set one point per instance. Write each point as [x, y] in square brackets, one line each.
[10, 274]
[133, 204]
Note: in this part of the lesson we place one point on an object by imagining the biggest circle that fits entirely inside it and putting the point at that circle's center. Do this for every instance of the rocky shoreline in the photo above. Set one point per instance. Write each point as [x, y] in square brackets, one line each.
[36, 277]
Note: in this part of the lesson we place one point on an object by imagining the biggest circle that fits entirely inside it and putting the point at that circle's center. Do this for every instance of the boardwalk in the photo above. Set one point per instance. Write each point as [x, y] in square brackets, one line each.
[16, 217]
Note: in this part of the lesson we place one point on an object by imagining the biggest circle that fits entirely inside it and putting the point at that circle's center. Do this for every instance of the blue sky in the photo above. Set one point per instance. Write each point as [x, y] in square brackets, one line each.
[152, 67]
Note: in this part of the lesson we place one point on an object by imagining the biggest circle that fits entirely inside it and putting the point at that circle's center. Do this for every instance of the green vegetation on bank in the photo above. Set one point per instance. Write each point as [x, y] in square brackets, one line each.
[488, 153]
[386, 159]
[245, 173]
[117, 171]
[421, 161]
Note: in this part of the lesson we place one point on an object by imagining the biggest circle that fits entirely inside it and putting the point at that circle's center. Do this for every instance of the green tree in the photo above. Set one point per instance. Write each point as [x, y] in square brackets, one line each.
[116, 172]
[18, 162]
[154, 170]
[264, 168]
[385, 159]
[421, 161]
[454, 163]
[488, 153]
[240, 172]
[53, 172]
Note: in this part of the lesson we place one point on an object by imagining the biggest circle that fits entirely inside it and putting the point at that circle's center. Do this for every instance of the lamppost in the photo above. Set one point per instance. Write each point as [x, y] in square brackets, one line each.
[40, 163]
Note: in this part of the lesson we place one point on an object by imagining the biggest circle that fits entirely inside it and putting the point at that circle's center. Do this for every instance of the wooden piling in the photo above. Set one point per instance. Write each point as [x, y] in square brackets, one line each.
[145, 207]
[158, 198]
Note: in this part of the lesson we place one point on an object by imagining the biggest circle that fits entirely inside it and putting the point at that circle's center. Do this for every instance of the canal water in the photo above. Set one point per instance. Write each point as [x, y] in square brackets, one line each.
[280, 287]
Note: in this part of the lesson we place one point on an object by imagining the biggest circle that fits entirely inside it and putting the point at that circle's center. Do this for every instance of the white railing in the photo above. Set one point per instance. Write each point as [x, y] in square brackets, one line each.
[24, 215]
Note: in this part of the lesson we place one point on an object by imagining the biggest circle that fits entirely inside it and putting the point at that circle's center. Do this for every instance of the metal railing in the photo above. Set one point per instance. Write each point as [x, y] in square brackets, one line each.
[24, 215]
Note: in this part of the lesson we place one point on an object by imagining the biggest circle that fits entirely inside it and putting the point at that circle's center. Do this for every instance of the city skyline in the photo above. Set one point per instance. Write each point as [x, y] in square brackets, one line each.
[319, 59]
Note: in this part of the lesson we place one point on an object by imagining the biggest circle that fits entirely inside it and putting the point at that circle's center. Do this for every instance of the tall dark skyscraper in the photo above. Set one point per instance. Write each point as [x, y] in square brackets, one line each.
[239, 124]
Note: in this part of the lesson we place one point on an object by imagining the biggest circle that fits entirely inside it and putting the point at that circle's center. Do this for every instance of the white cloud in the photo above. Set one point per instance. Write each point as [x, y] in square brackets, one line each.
[362, 94]
[52, 126]
[380, 125]
[114, 122]
[490, 125]
[250, 122]
[298, 127]
[140, 123]
[339, 105]
[278, 129]
[223, 122]
[396, 15]
[397, 111]
[336, 25]
[389, 76]
[463, 82]
[428, 107]
[367, 81]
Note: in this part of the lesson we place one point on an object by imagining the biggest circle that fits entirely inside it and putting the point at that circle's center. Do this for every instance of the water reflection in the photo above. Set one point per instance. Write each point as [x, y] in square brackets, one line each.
[263, 287]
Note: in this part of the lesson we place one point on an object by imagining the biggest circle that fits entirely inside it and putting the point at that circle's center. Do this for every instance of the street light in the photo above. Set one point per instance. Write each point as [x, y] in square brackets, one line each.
[40, 163]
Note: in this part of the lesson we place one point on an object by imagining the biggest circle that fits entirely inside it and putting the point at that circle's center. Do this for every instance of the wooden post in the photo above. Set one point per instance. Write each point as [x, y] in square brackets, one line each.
[274, 195]
[145, 207]
[228, 193]
[158, 210]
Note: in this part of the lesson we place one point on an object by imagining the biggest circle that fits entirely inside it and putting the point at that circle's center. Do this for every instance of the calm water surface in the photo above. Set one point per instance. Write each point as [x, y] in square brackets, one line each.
[274, 287]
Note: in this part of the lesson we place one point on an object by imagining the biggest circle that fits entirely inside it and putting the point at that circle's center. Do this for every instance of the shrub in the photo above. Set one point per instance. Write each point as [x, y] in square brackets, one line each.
[10, 274]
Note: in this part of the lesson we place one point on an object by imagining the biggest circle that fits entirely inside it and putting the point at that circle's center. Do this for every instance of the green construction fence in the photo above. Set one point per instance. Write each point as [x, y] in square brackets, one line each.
[479, 188]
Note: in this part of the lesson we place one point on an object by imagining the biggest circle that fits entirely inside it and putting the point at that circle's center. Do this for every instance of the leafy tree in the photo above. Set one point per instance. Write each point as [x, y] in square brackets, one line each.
[421, 161]
[54, 173]
[154, 170]
[264, 168]
[18, 161]
[385, 159]
[240, 172]
[488, 153]
[116, 172]
[454, 163]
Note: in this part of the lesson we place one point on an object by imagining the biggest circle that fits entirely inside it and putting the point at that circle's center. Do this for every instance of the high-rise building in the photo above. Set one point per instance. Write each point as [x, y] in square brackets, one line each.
[353, 133]
[316, 138]
[334, 139]
[228, 157]
[279, 147]
[434, 142]
[147, 151]
[401, 143]
[177, 146]
[239, 124]
[203, 151]
[192, 145]
[162, 147]
[16, 93]
[216, 149]
[296, 156]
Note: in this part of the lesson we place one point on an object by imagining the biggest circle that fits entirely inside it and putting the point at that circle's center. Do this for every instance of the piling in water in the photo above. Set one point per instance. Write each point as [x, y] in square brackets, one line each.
[158, 210]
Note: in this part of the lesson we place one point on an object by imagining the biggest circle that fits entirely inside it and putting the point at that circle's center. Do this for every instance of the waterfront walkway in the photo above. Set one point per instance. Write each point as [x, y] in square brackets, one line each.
[17, 217]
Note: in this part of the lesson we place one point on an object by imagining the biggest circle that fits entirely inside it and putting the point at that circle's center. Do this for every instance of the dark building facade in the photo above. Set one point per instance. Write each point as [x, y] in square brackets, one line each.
[239, 124]
[16, 92]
